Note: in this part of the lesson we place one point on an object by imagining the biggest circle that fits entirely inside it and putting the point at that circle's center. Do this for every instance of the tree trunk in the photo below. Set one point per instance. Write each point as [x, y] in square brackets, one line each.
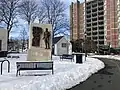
[8, 39]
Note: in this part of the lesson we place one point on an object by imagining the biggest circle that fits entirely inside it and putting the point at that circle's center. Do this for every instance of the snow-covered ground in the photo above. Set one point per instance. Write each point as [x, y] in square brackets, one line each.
[116, 57]
[66, 75]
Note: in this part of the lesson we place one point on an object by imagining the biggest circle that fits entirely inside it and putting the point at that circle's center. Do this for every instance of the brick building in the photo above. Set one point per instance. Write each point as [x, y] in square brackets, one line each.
[101, 21]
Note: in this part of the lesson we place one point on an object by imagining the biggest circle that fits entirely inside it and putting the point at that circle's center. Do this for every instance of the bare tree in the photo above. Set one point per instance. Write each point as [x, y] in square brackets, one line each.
[23, 37]
[8, 13]
[28, 10]
[62, 27]
[56, 15]
[41, 14]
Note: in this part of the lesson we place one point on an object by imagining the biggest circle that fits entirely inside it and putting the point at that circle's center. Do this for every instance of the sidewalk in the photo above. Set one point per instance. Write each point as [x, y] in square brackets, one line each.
[106, 79]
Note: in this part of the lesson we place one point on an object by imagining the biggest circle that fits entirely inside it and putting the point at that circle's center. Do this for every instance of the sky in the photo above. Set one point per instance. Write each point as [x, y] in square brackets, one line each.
[15, 33]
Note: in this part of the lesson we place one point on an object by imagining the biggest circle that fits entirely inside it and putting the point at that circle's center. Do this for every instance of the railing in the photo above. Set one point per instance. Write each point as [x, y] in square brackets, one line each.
[3, 54]
[2, 61]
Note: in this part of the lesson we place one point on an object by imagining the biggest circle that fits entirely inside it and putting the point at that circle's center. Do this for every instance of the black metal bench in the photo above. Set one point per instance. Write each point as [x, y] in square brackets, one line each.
[34, 66]
[3, 54]
[67, 56]
[13, 56]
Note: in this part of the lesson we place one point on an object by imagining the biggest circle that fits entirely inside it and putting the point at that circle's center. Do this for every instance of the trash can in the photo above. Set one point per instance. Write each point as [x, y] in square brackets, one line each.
[78, 57]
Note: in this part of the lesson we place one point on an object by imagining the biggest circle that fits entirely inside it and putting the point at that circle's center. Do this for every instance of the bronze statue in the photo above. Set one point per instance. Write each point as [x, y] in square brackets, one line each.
[37, 31]
[47, 39]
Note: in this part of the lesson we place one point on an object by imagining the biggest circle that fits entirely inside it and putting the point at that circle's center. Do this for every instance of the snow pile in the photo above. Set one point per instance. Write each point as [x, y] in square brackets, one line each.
[116, 57]
[66, 75]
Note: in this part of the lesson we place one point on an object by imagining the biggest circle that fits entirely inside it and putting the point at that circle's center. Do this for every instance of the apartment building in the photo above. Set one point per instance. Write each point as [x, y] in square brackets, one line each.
[76, 20]
[111, 22]
[100, 23]
[118, 6]
[95, 21]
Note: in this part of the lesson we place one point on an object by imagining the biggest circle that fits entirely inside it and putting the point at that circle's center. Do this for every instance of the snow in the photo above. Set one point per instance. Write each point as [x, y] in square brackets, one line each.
[115, 57]
[66, 74]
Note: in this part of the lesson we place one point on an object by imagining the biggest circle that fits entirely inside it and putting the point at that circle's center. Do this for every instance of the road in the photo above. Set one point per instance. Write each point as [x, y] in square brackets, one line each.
[106, 79]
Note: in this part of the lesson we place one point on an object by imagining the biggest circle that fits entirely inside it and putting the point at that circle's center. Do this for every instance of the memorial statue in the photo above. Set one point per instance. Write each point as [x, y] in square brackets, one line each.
[47, 39]
[37, 31]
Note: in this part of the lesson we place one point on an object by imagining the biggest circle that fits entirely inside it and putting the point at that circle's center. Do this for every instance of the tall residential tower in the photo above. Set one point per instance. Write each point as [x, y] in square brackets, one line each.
[101, 21]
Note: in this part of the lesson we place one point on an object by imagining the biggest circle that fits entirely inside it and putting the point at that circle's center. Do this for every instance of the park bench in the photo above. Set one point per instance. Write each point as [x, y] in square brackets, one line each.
[34, 66]
[3, 55]
[13, 56]
[67, 56]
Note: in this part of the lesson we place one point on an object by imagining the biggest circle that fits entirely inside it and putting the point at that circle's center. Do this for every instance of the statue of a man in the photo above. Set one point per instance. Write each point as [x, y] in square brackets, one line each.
[47, 39]
[37, 31]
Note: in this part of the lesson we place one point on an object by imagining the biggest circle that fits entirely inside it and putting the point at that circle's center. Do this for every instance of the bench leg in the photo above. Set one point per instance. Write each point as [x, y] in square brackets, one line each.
[52, 71]
[17, 73]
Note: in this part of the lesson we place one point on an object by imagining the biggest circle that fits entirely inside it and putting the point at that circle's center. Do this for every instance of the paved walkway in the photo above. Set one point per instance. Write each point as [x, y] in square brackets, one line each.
[106, 79]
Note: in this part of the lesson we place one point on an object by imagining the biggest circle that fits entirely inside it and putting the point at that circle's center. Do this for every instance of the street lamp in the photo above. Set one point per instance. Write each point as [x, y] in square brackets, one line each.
[85, 32]
[85, 47]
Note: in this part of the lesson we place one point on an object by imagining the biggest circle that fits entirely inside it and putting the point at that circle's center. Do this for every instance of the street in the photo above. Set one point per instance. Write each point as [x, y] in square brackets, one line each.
[106, 79]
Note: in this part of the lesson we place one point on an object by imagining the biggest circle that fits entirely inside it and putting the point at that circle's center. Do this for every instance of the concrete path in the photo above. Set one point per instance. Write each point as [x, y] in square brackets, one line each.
[106, 79]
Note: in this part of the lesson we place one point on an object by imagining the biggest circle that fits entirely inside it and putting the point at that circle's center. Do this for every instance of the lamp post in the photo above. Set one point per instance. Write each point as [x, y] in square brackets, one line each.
[85, 47]
[85, 32]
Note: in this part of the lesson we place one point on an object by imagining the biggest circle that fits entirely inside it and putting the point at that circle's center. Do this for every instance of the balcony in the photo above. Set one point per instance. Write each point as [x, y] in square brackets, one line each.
[95, 41]
[94, 28]
[101, 23]
[94, 10]
[94, 19]
[101, 42]
[88, 20]
[101, 32]
[100, 8]
[94, 33]
[94, 5]
[101, 36]
[88, 30]
[88, 7]
[101, 27]
[88, 3]
[100, 3]
[88, 12]
[89, 38]
[88, 16]
[95, 38]
[88, 25]
[94, 24]
[101, 13]
[94, 2]
[94, 14]
[88, 33]
[100, 18]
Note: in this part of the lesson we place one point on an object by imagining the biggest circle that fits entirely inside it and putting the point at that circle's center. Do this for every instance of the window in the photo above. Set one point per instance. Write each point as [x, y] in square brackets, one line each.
[64, 44]
[0, 45]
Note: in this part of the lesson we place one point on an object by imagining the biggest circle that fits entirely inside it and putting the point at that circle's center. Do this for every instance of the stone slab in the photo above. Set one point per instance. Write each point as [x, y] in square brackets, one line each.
[39, 53]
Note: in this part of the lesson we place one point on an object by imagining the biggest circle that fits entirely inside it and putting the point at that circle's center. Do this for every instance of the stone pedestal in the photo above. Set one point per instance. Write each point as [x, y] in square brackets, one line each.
[39, 54]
